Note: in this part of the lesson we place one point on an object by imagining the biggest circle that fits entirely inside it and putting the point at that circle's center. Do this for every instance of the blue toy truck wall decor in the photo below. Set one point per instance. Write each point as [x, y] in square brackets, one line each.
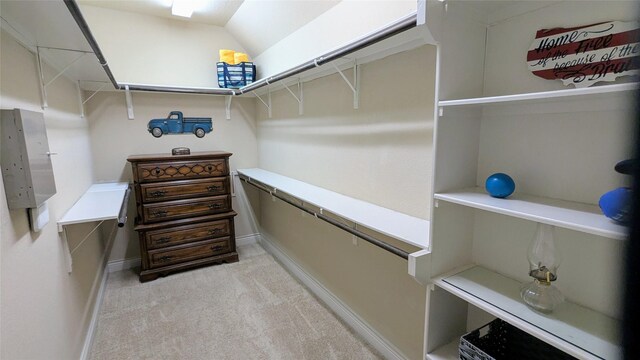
[175, 123]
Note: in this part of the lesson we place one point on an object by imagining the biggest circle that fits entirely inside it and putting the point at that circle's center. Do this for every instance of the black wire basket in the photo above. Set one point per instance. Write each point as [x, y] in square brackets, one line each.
[498, 340]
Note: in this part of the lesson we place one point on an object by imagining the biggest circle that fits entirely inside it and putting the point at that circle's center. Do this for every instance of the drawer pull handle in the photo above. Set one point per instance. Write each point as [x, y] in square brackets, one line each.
[156, 171]
[158, 193]
[215, 206]
[217, 247]
[214, 188]
[158, 213]
[163, 240]
[214, 231]
[165, 258]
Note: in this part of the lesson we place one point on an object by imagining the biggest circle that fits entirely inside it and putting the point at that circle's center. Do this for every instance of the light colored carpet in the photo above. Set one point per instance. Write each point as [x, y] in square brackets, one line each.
[252, 309]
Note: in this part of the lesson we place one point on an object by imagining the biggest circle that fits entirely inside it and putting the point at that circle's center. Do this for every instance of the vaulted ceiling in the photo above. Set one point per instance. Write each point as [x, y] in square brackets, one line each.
[245, 20]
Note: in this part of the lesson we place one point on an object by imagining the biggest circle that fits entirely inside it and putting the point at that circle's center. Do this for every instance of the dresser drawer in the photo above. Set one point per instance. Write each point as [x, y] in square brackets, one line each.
[186, 234]
[176, 170]
[174, 255]
[183, 189]
[179, 209]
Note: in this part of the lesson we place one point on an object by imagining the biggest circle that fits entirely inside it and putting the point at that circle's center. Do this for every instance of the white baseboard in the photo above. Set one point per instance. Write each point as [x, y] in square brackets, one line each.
[118, 265]
[388, 350]
[247, 239]
[93, 323]
[91, 331]
[125, 264]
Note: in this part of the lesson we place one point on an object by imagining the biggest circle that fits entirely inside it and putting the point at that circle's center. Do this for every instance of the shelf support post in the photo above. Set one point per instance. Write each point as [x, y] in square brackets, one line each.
[129, 101]
[227, 104]
[419, 264]
[422, 12]
[43, 90]
[355, 87]
[299, 98]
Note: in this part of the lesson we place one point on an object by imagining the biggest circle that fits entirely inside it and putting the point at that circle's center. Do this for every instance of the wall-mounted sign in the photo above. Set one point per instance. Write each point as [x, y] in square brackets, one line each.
[587, 54]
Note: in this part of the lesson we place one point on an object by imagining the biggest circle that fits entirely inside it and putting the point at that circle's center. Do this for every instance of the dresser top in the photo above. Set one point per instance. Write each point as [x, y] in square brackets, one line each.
[168, 156]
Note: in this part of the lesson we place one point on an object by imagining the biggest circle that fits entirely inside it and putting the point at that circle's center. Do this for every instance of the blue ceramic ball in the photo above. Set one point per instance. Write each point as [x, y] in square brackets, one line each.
[616, 205]
[500, 185]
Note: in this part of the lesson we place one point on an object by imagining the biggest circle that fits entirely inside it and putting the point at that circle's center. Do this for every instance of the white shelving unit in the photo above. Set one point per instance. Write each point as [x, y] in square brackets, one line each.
[446, 352]
[566, 214]
[560, 146]
[576, 330]
[408, 229]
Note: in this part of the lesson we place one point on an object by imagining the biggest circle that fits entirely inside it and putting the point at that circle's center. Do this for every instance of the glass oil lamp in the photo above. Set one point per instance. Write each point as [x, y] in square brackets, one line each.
[544, 260]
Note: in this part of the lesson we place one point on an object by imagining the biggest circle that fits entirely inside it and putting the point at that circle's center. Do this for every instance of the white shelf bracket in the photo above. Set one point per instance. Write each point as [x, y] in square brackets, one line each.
[440, 111]
[129, 101]
[95, 92]
[65, 69]
[227, 105]
[299, 98]
[43, 90]
[82, 102]
[354, 239]
[355, 87]
[67, 251]
[268, 105]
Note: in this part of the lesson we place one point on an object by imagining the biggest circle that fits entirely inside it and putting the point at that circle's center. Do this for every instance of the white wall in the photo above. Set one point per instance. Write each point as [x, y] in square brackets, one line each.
[280, 17]
[152, 50]
[114, 138]
[346, 21]
[45, 311]
[380, 153]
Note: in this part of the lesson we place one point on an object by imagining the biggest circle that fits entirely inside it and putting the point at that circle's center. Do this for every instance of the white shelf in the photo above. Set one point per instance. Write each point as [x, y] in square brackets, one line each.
[566, 214]
[449, 351]
[574, 329]
[408, 229]
[100, 202]
[556, 95]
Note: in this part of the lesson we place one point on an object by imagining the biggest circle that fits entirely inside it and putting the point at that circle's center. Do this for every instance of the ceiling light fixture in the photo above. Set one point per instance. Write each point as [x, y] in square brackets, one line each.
[182, 8]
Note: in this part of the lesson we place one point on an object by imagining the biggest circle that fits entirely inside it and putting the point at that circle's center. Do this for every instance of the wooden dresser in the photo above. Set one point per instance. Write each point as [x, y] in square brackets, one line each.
[184, 214]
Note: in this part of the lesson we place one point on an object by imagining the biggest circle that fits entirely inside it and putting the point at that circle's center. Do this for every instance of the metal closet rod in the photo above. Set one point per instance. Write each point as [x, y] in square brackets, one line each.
[392, 249]
[178, 89]
[406, 23]
[122, 214]
[74, 10]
